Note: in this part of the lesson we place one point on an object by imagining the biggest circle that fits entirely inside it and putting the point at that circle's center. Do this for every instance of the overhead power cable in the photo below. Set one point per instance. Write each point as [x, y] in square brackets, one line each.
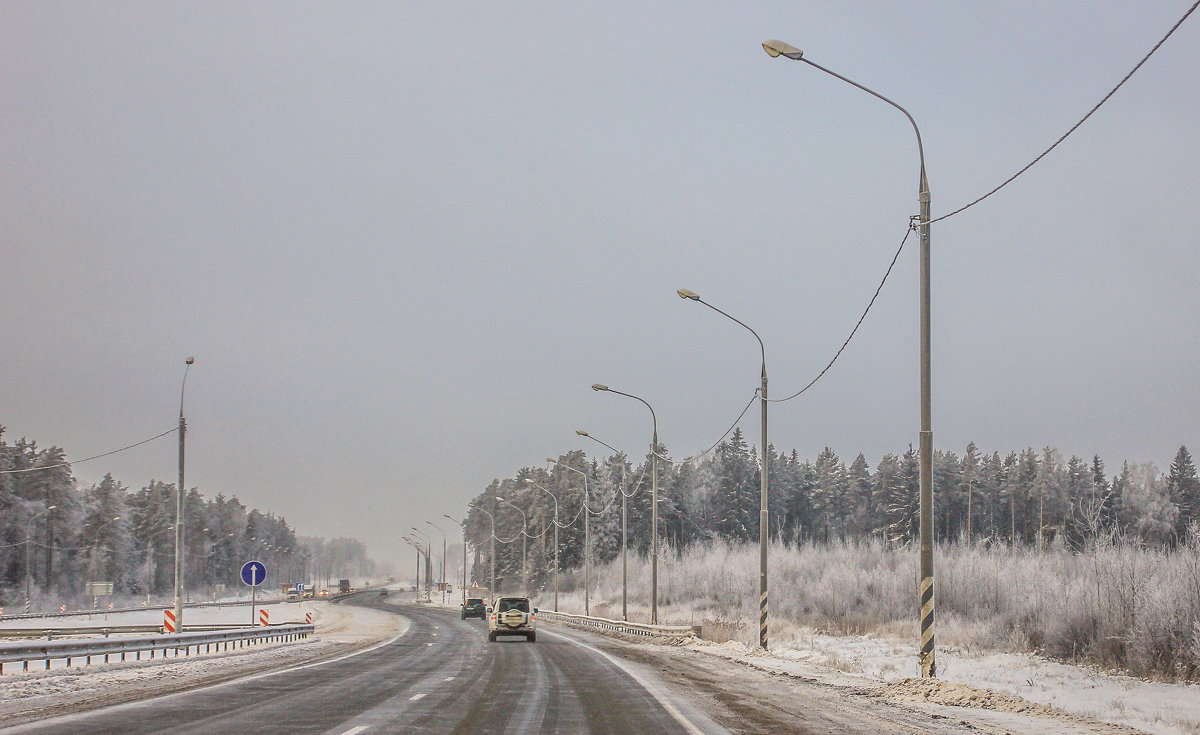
[1082, 120]
[89, 459]
[856, 326]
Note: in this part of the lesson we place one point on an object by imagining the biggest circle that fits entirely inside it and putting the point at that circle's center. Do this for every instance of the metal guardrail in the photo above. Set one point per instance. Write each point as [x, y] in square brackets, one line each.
[187, 605]
[621, 626]
[105, 630]
[87, 648]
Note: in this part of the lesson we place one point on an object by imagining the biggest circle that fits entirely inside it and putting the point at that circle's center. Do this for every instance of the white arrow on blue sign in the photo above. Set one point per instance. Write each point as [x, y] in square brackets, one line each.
[253, 573]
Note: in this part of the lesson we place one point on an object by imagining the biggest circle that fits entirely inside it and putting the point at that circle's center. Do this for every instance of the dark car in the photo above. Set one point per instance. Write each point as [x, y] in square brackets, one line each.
[474, 608]
[383, 593]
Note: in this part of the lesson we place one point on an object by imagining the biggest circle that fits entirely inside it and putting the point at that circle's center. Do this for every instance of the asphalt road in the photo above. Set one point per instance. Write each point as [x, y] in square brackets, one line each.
[442, 676]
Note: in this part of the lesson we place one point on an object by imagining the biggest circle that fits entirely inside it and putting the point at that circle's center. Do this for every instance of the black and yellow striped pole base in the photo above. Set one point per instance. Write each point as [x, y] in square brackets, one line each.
[928, 664]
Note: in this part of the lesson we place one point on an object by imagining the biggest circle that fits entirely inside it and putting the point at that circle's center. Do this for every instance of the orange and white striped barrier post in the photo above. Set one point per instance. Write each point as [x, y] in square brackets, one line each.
[263, 616]
[169, 620]
[307, 615]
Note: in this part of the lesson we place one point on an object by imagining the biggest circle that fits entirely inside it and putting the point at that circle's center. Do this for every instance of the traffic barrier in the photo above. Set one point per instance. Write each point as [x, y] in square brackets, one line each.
[621, 626]
[264, 617]
[142, 606]
[168, 620]
[86, 648]
[307, 617]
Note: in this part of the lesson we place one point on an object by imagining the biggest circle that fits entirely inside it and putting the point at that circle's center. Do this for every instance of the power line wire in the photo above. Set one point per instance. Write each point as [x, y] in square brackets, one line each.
[1111, 92]
[856, 326]
[89, 459]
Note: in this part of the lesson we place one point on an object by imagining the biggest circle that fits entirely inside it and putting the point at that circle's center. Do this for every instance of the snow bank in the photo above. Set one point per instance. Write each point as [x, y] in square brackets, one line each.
[1002, 682]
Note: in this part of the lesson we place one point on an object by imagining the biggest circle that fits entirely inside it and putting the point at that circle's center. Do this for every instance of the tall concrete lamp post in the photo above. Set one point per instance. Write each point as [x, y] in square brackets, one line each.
[179, 505]
[653, 500]
[443, 560]
[762, 489]
[524, 539]
[29, 555]
[464, 577]
[928, 664]
[491, 551]
[556, 527]
[587, 539]
[428, 562]
[624, 527]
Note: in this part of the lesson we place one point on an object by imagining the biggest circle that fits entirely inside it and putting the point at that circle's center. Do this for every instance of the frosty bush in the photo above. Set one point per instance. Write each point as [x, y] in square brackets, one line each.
[1114, 603]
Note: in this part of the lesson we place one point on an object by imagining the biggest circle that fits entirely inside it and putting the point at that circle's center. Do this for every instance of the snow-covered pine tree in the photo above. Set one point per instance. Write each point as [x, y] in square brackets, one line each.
[1184, 489]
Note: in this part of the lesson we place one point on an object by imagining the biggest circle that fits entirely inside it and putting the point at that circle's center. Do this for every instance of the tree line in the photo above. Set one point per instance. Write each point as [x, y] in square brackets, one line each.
[56, 535]
[1028, 498]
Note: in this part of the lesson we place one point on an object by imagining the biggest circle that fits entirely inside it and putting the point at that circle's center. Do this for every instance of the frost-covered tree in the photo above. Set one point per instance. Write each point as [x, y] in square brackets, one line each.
[859, 519]
[1146, 509]
[828, 494]
[1183, 487]
[103, 536]
[737, 495]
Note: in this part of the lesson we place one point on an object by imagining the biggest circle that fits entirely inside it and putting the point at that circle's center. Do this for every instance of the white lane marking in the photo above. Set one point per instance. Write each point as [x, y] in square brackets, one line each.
[415, 697]
[355, 730]
[653, 690]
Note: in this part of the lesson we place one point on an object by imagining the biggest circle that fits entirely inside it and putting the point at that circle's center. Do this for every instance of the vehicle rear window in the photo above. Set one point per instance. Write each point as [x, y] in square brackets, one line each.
[474, 601]
[522, 605]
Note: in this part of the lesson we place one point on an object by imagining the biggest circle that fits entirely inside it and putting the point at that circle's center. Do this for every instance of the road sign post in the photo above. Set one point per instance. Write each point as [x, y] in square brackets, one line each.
[253, 574]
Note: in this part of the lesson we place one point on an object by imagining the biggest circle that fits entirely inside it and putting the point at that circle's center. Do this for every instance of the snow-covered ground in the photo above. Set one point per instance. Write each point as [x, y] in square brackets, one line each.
[1019, 684]
[40, 693]
[1003, 682]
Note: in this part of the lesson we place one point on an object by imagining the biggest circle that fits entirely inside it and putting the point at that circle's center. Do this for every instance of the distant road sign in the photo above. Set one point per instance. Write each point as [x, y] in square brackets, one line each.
[253, 573]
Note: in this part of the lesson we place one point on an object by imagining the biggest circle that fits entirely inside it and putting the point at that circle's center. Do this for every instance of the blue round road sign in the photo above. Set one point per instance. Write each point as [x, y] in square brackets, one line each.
[253, 573]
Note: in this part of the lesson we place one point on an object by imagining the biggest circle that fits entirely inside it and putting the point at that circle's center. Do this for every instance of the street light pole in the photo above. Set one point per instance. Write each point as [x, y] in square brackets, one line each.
[464, 578]
[928, 663]
[417, 547]
[29, 556]
[624, 528]
[556, 527]
[491, 552]
[428, 563]
[587, 539]
[443, 561]
[762, 489]
[653, 500]
[179, 505]
[524, 537]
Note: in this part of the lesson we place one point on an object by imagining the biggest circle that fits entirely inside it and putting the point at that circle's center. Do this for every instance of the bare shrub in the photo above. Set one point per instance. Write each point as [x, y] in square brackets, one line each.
[1112, 602]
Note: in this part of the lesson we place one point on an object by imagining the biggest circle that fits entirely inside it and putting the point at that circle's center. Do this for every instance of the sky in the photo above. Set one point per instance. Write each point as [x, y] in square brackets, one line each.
[402, 239]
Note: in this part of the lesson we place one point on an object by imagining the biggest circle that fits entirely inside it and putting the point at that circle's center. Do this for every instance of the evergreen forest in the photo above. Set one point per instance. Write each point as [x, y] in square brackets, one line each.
[55, 536]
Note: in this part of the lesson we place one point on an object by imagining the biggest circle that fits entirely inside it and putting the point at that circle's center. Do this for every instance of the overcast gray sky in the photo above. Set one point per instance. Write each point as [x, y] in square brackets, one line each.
[403, 238]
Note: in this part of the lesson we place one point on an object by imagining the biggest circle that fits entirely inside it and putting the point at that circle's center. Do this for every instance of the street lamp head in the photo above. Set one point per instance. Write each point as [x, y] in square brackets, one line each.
[189, 360]
[51, 507]
[779, 48]
[599, 386]
[581, 432]
[686, 294]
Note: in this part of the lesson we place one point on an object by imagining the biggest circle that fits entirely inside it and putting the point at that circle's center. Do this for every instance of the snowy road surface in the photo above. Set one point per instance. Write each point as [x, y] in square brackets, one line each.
[435, 673]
